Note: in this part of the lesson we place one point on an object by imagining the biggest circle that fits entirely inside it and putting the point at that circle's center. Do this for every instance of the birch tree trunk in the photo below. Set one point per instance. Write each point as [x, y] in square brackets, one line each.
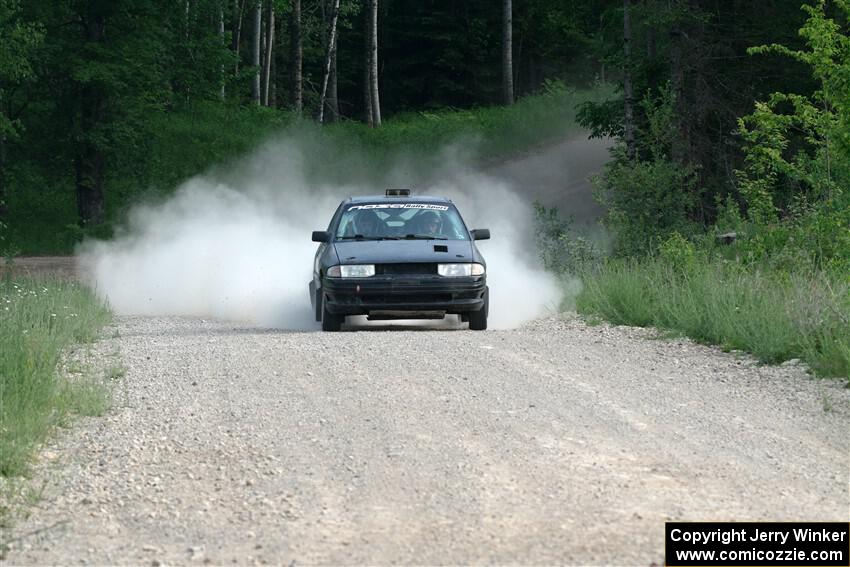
[367, 62]
[628, 94]
[238, 11]
[255, 54]
[333, 97]
[328, 59]
[331, 100]
[507, 53]
[186, 21]
[373, 65]
[297, 54]
[269, 53]
[273, 82]
[263, 53]
[221, 93]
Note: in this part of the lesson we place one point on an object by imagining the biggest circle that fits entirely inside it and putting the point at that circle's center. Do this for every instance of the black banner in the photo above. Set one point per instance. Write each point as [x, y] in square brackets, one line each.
[742, 544]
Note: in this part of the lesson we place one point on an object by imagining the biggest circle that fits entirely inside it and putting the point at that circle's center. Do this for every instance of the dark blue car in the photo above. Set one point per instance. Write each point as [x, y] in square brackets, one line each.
[398, 257]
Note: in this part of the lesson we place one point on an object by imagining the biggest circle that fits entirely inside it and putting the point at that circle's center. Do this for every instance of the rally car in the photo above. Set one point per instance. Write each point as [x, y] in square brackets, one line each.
[399, 257]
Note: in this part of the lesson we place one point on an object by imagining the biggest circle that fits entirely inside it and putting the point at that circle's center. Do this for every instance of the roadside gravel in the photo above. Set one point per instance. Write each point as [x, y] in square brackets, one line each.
[553, 443]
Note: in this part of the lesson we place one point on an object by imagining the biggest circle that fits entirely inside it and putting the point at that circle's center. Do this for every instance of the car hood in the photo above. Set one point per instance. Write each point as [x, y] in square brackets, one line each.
[392, 251]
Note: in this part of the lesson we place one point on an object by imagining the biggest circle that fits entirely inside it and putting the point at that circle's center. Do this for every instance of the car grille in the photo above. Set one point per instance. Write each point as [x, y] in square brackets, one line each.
[405, 269]
[409, 299]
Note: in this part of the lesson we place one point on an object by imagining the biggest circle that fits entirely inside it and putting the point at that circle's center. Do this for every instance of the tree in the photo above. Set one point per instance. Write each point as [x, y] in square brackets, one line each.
[803, 142]
[222, 93]
[297, 56]
[695, 52]
[507, 53]
[628, 93]
[21, 39]
[375, 100]
[90, 161]
[332, 98]
[268, 53]
[238, 12]
[104, 69]
[367, 63]
[329, 54]
[255, 52]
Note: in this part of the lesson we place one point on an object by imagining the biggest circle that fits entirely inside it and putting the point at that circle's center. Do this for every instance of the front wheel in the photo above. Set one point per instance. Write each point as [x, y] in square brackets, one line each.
[317, 304]
[478, 319]
[330, 321]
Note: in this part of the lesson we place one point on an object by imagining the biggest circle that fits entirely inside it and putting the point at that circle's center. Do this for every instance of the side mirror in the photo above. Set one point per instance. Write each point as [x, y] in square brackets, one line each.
[480, 234]
[321, 236]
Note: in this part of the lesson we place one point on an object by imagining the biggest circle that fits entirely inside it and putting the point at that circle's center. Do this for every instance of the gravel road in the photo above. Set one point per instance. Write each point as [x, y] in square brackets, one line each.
[552, 443]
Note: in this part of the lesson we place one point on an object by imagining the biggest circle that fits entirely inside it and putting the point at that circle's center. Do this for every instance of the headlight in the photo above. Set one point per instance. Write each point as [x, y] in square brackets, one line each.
[457, 270]
[352, 271]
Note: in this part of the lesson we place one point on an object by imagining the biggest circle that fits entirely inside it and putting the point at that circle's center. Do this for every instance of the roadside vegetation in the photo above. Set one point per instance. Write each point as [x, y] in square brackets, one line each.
[768, 270]
[39, 320]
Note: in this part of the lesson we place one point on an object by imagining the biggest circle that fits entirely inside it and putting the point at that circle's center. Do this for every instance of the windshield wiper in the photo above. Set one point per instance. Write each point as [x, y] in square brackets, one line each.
[361, 237]
[424, 237]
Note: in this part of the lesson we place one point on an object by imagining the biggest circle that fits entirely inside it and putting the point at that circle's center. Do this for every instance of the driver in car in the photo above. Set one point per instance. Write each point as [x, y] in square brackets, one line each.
[368, 224]
[431, 224]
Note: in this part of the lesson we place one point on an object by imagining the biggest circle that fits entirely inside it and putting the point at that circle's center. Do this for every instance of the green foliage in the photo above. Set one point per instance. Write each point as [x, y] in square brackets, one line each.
[679, 253]
[20, 41]
[797, 164]
[38, 320]
[650, 196]
[176, 145]
[645, 201]
[562, 249]
[696, 51]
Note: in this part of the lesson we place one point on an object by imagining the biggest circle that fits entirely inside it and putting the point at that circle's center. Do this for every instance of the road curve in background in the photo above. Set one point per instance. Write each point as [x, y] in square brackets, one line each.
[559, 175]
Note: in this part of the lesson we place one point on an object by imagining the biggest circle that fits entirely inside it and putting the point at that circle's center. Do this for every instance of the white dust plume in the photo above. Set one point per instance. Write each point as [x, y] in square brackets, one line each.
[235, 245]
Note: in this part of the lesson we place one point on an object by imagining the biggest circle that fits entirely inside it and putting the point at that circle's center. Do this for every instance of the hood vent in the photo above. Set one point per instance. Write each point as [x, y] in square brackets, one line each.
[441, 248]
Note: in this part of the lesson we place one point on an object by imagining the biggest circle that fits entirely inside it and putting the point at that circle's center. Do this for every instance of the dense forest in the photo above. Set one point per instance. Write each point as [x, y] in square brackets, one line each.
[88, 87]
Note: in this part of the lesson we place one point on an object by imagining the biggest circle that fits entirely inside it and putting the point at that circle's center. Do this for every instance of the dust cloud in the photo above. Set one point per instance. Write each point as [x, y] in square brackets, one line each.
[234, 243]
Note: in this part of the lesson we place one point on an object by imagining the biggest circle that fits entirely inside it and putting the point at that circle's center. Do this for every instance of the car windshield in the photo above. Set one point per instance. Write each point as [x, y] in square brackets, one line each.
[382, 221]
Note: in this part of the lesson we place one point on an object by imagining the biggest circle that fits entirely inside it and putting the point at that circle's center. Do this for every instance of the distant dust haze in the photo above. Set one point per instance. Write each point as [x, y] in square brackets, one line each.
[235, 244]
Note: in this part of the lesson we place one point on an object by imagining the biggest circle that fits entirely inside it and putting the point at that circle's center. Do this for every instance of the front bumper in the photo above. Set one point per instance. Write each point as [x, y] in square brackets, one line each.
[423, 293]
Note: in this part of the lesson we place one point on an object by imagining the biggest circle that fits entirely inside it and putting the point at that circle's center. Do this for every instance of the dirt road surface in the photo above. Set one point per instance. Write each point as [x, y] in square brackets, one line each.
[41, 266]
[553, 443]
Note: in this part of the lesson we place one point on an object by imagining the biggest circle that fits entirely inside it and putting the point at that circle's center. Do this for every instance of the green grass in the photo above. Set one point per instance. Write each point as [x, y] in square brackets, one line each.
[38, 320]
[774, 315]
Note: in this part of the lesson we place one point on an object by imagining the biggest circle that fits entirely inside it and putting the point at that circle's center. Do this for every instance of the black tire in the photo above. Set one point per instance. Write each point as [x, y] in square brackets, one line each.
[478, 319]
[318, 304]
[330, 321]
